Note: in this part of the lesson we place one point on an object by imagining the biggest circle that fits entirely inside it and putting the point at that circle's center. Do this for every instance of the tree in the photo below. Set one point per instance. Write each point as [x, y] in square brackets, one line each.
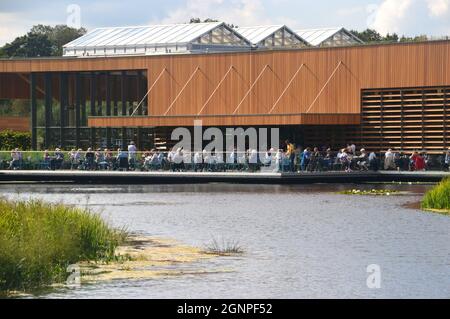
[41, 41]
[372, 36]
[391, 37]
[198, 20]
[418, 38]
[368, 35]
[59, 35]
[207, 20]
[30, 45]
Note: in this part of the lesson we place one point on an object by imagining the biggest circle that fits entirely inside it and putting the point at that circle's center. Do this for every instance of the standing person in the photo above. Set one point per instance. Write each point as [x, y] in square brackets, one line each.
[447, 160]
[306, 156]
[132, 150]
[419, 162]
[373, 162]
[122, 159]
[198, 162]
[389, 160]
[290, 154]
[278, 161]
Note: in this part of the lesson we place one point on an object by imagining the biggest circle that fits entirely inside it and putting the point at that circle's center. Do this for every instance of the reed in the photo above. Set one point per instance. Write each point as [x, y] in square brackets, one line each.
[438, 198]
[223, 248]
[38, 241]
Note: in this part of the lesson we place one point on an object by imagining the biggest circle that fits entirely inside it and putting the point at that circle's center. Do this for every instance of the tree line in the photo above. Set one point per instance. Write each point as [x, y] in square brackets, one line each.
[371, 36]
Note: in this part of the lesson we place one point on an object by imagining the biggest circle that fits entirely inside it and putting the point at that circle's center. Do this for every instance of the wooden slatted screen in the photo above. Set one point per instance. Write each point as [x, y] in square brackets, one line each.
[406, 119]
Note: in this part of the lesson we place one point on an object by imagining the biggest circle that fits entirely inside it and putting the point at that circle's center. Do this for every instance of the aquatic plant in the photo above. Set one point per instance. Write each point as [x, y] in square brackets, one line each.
[438, 198]
[376, 192]
[39, 240]
[224, 247]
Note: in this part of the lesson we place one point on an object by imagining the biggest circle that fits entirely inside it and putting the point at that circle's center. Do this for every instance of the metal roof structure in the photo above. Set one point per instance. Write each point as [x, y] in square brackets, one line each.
[272, 36]
[157, 39]
[329, 37]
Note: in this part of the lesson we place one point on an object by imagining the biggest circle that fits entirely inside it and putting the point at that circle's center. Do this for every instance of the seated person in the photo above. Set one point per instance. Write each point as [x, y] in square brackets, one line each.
[90, 159]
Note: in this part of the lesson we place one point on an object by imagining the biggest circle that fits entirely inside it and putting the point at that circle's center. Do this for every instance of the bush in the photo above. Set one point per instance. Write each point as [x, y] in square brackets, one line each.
[38, 241]
[10, 140]
[438, 197]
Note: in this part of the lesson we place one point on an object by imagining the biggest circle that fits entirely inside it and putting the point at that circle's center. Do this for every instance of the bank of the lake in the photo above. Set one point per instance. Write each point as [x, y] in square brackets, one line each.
[38, 241]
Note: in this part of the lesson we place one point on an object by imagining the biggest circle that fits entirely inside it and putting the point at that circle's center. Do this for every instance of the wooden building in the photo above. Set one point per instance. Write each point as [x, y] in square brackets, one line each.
[378, 96]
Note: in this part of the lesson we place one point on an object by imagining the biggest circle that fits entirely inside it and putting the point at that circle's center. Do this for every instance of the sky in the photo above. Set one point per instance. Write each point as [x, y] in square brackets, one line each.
[405, 17]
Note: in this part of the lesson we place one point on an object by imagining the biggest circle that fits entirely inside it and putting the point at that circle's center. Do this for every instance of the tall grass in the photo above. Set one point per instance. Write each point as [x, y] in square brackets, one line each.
[438, 197]
[224, 247]
[38, 241]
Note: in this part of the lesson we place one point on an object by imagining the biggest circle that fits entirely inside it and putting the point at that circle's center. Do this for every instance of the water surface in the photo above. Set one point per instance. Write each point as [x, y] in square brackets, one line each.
[301, 241]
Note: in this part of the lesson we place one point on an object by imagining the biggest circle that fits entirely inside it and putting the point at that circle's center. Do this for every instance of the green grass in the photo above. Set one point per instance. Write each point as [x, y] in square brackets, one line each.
[438, 198]
[38, 241]
[224, 248]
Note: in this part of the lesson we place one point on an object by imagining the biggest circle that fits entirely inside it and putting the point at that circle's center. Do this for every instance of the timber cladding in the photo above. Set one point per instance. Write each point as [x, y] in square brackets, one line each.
[406, 119]
[20, 124]
[306, 86]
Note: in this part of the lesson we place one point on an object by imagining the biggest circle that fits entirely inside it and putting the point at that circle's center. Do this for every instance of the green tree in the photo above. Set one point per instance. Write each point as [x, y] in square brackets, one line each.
[59, 35]
[30, 45]
[392, 37]
[368, 35]
[418, 38]
[41, 41]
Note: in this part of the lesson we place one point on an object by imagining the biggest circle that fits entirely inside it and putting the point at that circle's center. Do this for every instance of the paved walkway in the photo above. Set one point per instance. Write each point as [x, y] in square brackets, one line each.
[109, 177]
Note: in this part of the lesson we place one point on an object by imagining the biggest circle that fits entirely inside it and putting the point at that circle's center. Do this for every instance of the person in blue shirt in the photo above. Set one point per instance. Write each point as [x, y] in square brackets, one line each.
[305, 158]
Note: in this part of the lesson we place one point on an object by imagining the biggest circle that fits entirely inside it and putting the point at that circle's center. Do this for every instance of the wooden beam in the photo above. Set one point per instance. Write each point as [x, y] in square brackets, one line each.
[215, 90]
[286, 88]
[182, 90]
[151, 88]
[323, 88]
[251, 88]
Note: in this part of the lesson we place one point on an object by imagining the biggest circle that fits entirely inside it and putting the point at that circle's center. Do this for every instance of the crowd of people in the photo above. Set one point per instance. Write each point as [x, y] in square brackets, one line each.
[290, 158]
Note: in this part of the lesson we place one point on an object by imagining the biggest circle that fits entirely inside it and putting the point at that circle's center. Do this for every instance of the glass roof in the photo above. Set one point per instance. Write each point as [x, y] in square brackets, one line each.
[144, 35]
[316, 37]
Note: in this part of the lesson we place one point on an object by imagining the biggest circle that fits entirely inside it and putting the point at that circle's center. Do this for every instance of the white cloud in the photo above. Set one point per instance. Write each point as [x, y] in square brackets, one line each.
[390, 15]
[412, 17]
[241, 12]
[438, 7]
[9, 28]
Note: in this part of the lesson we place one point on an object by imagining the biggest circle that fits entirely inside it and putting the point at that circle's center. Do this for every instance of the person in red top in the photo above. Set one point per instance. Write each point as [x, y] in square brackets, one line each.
[417, 161]
[420, 162]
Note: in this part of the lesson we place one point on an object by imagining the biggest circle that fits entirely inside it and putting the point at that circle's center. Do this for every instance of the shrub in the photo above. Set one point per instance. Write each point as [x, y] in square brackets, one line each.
[10, 140]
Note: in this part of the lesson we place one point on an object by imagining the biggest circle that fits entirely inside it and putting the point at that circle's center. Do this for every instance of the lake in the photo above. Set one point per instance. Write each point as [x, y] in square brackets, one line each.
[300, 241]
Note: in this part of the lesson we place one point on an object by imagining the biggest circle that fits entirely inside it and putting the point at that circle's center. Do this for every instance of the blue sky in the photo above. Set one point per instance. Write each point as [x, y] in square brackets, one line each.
[409, 17]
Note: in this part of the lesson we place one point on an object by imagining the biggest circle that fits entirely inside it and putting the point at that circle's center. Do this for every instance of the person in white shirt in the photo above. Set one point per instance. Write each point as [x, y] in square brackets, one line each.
[389, 160]
[278, 160]
[198, 162]
[15, 159]
[132, 154]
